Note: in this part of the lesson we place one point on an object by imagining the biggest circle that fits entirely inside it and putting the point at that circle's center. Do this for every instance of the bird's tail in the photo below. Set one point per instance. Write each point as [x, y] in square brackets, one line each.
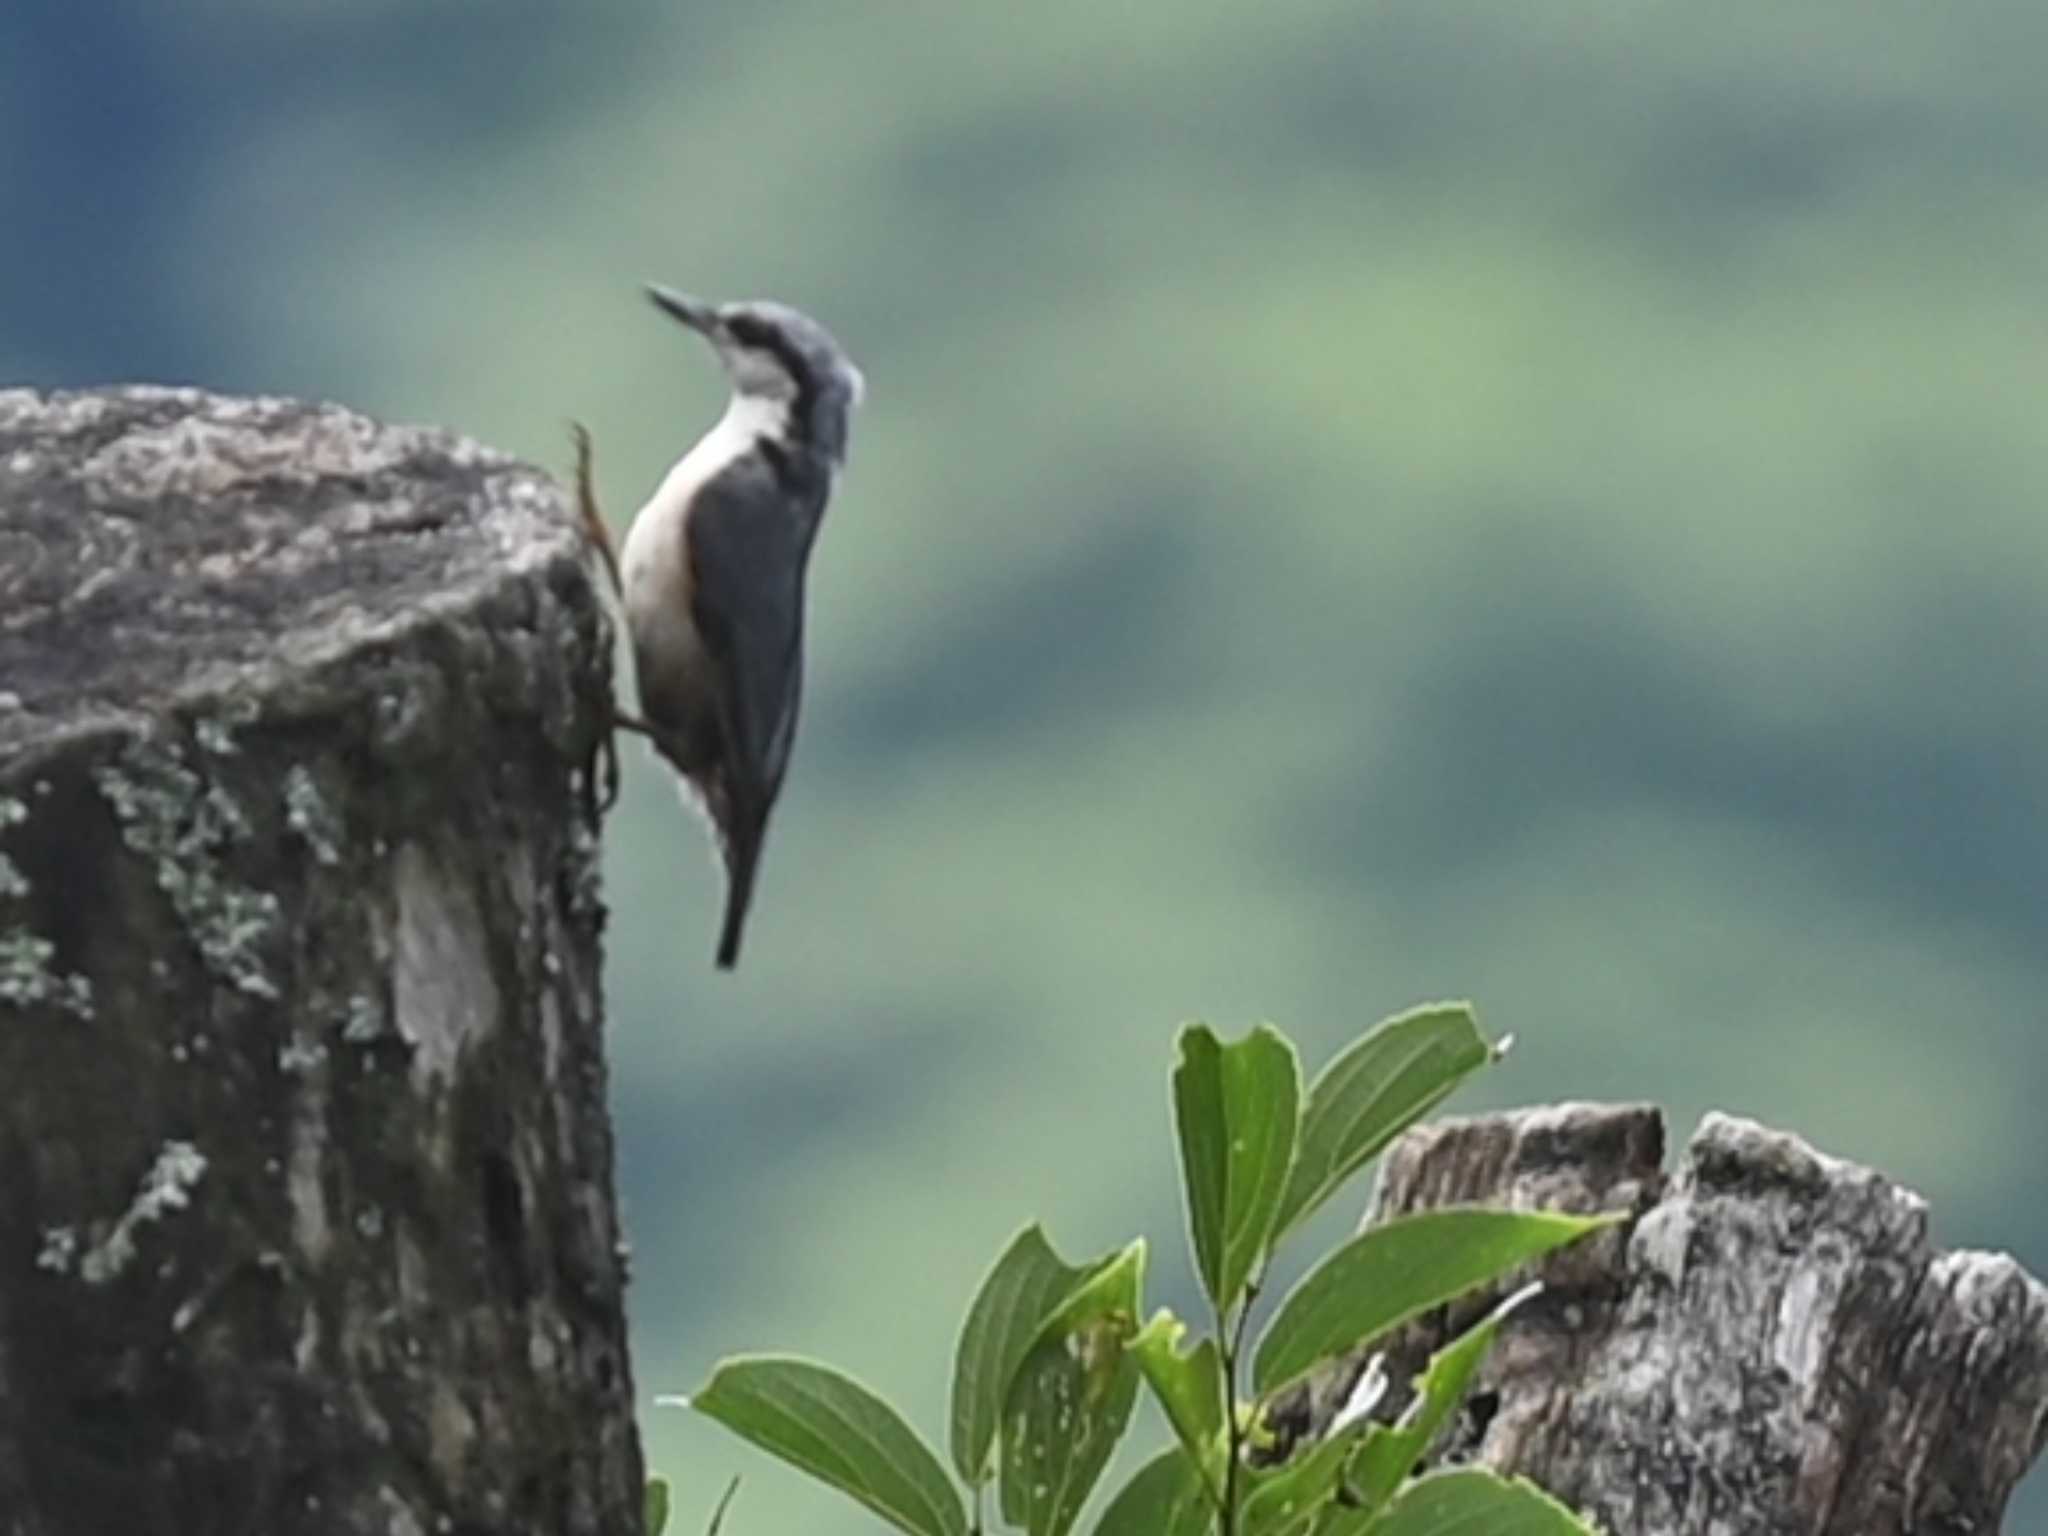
[742, 856]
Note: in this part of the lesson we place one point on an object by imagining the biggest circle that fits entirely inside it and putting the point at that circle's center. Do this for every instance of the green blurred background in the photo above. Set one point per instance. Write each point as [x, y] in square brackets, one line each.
[1356, 504]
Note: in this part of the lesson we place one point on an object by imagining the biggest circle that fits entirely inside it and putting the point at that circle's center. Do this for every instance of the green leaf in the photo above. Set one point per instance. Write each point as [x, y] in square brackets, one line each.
[1468, 1502]
[1237, 1110]
[840, 1433]
[1068, 1408]
[1386, 1081]
[1366, 1459]
[1005, 1319]
[1165, 1498]
[1385, 1276]
[654, 1507]
[1071, 1399]
[1110, 1287]
[1391, 1453]
[1289, 1499]
[1190, 1390]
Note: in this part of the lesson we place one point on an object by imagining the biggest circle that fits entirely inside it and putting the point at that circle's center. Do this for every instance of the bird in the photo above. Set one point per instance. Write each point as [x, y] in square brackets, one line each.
[713, 571]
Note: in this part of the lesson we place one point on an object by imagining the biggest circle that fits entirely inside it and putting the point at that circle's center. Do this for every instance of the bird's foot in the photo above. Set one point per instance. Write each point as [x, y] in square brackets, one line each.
[602, 772]
[621, 721]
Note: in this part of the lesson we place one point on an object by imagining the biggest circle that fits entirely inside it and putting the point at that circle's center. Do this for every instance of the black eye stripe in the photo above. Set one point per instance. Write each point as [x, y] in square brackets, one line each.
[761, 336]
[817, 407]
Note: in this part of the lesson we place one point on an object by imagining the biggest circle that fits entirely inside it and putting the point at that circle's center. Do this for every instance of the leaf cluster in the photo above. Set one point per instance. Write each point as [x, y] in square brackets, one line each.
[1053, 1356]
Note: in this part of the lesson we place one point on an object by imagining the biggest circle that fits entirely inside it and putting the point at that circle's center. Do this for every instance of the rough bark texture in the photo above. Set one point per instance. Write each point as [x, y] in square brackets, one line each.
[306, 1214]
[1770, 1346]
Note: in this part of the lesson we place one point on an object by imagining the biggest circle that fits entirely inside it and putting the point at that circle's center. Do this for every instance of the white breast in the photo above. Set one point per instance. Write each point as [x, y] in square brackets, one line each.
[655, 566]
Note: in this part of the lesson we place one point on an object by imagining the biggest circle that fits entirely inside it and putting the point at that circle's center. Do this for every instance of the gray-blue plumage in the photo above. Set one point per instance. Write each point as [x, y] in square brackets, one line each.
[714, 568]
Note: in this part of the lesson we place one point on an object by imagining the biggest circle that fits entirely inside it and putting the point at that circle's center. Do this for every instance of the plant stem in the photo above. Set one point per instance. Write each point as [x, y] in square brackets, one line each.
[1230, 1344]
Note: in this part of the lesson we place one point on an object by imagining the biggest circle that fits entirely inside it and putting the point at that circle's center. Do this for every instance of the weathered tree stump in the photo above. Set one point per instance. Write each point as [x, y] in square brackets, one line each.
[1770, 1347]
[306, 1213]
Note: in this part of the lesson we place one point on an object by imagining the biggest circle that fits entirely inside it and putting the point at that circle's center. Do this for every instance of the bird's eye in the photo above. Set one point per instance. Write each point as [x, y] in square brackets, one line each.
[747, 331]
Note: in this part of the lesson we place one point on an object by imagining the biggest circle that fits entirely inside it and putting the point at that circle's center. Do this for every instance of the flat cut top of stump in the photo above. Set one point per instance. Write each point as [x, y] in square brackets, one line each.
[159, 547]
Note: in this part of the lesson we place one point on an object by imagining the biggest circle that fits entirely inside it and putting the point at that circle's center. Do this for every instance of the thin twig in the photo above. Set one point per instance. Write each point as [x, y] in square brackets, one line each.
[718, 1514]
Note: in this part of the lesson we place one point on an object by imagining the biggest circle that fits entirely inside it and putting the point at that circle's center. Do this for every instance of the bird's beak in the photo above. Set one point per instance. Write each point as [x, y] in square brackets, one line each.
[695, 313]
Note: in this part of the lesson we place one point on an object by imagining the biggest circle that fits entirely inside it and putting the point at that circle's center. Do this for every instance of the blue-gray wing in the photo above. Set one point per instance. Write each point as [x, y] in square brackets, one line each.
[749, 541]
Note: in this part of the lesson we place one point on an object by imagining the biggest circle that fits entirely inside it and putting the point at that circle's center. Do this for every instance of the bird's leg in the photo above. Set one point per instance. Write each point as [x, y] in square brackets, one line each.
[605, 757]
[621, 721]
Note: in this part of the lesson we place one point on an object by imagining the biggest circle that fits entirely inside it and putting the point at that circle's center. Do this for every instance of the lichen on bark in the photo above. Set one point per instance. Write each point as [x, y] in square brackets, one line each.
[300, 1016]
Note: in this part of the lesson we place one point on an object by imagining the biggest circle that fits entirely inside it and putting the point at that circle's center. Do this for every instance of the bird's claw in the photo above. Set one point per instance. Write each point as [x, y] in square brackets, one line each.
[594, 527]
[602, 772]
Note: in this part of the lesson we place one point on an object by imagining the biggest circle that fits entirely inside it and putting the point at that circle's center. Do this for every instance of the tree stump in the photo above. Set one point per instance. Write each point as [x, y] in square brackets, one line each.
[306, 1211]
[1770, 1346]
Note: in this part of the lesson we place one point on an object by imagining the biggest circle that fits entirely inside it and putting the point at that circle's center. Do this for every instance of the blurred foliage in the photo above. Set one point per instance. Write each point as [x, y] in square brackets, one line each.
[1354, 503]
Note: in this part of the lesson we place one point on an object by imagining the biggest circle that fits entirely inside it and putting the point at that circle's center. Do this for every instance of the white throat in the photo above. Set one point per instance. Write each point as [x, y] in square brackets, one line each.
[747, 419]
[654, 539]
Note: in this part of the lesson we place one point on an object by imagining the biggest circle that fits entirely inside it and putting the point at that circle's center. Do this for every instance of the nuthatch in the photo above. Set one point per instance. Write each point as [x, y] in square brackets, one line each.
[713, 572]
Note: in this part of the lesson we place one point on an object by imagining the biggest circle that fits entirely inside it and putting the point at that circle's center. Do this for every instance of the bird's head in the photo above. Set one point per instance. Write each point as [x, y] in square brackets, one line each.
[781, 355]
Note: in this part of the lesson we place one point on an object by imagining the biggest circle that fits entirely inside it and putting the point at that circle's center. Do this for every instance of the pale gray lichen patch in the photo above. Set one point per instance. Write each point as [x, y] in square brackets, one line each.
[444, 992]
[169, 815]
[167, 1187]
[298, 1057]
[551, 1041]
[583, 866]
[24, 965]
[60, 1245]
[543, 1357]
[399, 1520]
[362, 1020]
[401, 713]
[207, 456]
[305, 1057]
[225, 817]
[27, 978]
[12, 881]
[304, 1184]
[308, 814]
[216, 733]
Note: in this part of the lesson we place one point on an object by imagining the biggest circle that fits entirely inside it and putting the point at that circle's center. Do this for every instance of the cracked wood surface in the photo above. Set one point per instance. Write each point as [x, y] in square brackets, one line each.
[1772, 1346]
